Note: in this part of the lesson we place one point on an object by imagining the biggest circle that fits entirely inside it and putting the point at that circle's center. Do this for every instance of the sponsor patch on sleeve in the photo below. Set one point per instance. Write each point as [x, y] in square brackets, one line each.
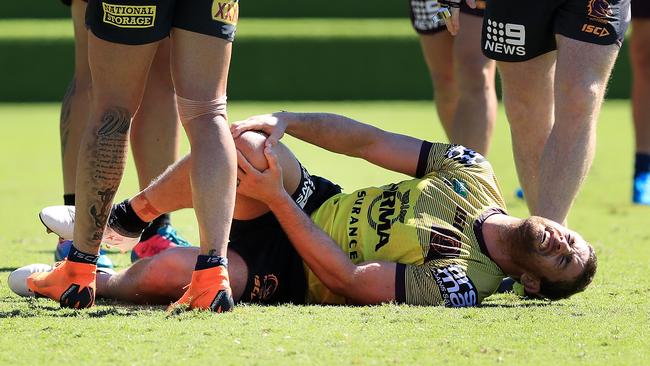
[456, 288]
[226, 11]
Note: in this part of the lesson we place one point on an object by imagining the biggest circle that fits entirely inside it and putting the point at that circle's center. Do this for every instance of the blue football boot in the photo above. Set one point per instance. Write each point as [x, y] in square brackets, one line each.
[641, 189]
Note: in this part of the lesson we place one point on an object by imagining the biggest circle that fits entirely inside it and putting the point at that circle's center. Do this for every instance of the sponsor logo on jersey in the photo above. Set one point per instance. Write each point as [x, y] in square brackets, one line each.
[505, 38]
[443, 244]
[353, 225]
[264, 288]
[226, 11]
[387, 212]
[129, 16]
[463, 155]
[456, 288]
[306, 189]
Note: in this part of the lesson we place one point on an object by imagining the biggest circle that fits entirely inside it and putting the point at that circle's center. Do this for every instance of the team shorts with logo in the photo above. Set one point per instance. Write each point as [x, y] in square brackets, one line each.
[423, 11]
[640, 9]
[276, 273]
[515, 30]
[136, 22]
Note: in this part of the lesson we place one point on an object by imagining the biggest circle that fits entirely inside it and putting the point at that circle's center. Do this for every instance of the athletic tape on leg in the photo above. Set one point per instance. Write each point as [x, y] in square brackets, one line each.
[189, 109]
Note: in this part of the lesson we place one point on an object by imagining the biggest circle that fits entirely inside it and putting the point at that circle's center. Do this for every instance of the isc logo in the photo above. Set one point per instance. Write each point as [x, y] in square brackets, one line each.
[599, 31]
[505, 38]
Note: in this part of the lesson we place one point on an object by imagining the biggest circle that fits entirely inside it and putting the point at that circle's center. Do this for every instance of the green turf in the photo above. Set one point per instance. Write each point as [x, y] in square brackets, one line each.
[607, 325]
[250, 28]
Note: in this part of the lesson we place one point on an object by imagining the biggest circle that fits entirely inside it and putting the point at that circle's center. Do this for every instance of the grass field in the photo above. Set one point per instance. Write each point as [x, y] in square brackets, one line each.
[608, 325]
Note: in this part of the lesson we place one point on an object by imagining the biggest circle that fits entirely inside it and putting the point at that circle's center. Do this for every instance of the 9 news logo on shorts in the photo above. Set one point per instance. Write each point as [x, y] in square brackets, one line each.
[505, 38]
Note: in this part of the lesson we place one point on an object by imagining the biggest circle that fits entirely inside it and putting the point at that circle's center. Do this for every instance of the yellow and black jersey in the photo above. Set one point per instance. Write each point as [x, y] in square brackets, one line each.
[429, 225]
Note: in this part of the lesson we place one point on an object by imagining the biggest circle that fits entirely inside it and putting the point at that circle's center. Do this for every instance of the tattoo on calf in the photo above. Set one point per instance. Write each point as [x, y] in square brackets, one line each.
[107, 165]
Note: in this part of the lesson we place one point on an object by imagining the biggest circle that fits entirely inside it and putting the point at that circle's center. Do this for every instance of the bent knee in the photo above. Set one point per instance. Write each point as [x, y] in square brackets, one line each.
[251, 145]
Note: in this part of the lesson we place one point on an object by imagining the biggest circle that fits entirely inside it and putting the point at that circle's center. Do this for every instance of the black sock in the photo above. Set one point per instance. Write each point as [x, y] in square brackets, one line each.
[125, 221]
[152, 229]
[68, 199]
[641, 163]
[210, 261]
[78, 256]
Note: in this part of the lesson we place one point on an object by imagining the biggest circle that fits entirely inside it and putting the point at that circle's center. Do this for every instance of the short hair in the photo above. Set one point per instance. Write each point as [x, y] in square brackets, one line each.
[563, 289]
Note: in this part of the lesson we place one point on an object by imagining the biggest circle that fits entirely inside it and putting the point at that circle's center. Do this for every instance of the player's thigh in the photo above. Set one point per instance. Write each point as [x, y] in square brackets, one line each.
[81, 68]
[469, 60]
[583, 68]
[437, 51]
[521, 95]
[200, 64]
[122, 41]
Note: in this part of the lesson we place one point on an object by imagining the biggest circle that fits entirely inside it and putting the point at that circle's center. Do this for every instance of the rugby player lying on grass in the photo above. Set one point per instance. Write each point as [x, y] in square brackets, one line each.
[442, 237]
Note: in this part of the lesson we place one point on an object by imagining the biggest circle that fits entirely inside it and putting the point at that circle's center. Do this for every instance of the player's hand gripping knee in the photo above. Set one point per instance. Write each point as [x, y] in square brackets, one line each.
[272, 125]
[263, 186]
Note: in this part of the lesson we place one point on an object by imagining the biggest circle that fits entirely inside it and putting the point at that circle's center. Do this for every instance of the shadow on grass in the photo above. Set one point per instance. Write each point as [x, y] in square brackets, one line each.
[8, 269]
[105, 308]
[522, 304]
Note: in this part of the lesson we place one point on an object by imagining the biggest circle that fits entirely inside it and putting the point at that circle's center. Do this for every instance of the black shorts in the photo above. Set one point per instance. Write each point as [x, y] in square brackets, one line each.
[276, 273]
[423, 11]
[640, 9]
[136, 22]
[516, 30]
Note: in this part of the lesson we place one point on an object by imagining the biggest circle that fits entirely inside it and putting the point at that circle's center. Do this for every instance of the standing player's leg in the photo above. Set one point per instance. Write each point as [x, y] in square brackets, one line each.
[581, 77]
[529, 107]
[156, 126]
[74, 109]
[200, 66]
[74, 115]
[476, 113]
[436, 45]
[439, 59]
[640, 57]
[155, 143]
[119, 73]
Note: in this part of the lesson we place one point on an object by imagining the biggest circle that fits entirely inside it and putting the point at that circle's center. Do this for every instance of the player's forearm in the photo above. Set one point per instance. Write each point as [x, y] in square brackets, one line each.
[321, 254]
[333, 132]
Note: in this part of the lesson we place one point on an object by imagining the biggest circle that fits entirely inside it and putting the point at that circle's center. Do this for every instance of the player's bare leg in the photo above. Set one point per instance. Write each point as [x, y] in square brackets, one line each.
[529, 107]
[171, 191]
[74, 110]
[476, 113]
[118, 84]
[640, 57]
[156, 127]
[437, 51]
[200, 69]
[161, 279]
[581, 77]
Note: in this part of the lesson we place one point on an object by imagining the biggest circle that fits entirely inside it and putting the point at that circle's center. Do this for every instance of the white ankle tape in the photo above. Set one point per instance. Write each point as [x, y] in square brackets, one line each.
[189, 109]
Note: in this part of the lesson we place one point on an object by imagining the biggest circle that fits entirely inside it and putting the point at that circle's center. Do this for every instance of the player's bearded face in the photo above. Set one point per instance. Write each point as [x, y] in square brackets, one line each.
[548, 250]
